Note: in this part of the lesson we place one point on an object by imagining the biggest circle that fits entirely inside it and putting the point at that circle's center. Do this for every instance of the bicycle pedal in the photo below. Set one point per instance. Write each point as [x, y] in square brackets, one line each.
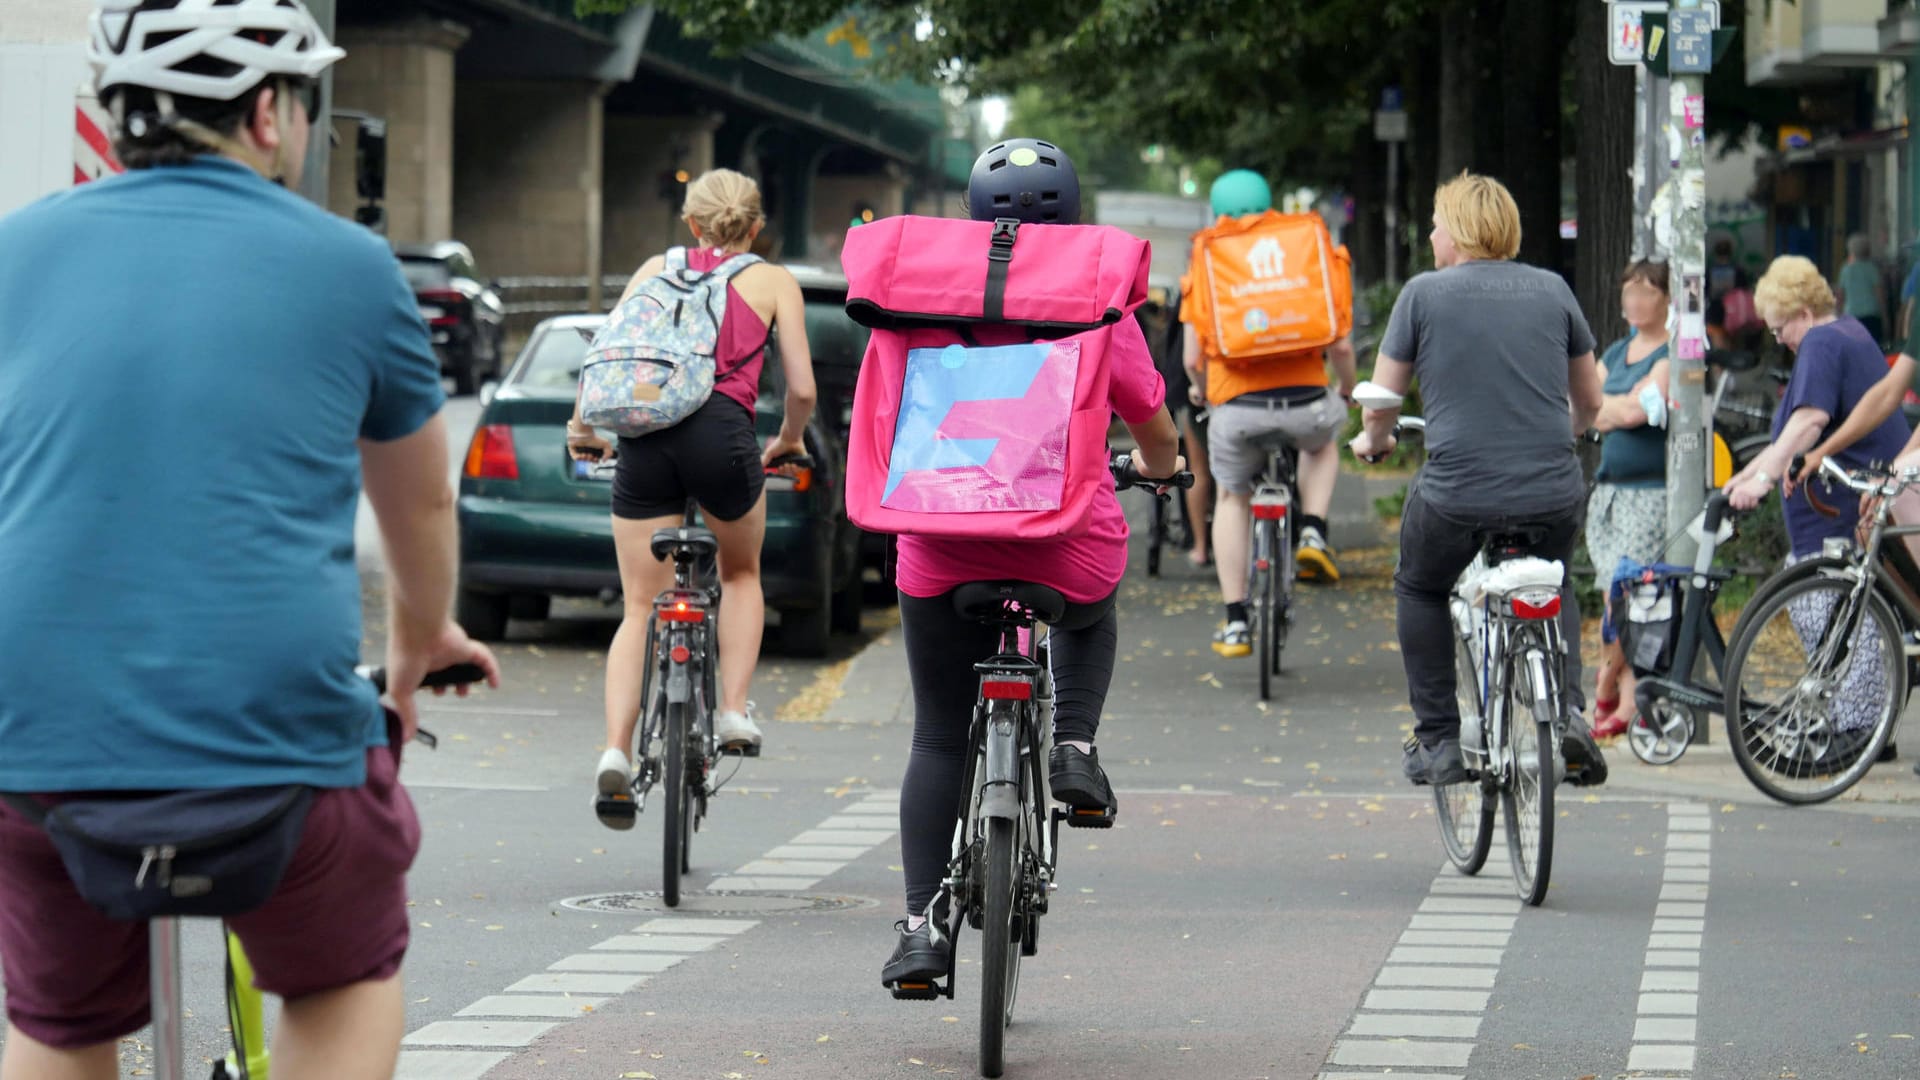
[1078, 818]
[915, 990]
[616, 810]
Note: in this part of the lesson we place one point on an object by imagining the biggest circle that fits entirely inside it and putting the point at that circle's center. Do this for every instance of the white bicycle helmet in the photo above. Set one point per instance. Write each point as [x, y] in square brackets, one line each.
[164, 48]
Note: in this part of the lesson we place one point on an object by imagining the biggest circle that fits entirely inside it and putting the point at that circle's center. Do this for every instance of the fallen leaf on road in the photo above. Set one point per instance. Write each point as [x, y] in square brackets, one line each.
[1336, 858]
[637, 1075]
[826, 1038]
[949, 1019]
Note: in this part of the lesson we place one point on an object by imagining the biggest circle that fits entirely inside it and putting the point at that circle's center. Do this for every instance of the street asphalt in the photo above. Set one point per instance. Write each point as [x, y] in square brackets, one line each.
[1271, 903]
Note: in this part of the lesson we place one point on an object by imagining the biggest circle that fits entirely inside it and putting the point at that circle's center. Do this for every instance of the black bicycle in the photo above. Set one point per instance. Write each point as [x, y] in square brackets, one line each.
[677, 750]
[1006, 841]
[1270, 570]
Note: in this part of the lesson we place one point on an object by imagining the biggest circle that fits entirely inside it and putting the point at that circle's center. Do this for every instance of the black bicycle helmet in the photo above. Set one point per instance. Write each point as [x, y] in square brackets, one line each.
[1026, 179]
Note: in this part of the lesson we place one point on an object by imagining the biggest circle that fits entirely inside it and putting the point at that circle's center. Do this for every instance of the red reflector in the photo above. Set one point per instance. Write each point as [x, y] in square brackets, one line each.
[1006, 690]
[1548, 610]
[1262, 564]
[681, 654]
[683, 613]
[490, 455]
[1270, 511]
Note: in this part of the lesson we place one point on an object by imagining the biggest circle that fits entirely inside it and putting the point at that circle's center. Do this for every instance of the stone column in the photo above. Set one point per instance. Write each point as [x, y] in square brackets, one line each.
[527, 176]
[403, 73]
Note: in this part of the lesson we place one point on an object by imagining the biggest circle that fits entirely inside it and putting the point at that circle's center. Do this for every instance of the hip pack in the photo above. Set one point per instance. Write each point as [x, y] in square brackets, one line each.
[953, 437]
[215, 853]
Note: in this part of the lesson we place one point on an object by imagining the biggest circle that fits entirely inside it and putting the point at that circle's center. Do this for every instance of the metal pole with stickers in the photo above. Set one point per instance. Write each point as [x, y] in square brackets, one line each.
[1689, 54]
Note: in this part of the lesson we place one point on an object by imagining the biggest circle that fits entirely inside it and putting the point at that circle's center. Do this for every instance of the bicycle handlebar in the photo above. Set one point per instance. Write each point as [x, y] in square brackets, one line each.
[456, 675]
[1125, 476]
[1882, 482]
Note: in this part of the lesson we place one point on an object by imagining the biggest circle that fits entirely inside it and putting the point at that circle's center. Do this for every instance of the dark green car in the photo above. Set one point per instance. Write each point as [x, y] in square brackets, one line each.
[530, 529]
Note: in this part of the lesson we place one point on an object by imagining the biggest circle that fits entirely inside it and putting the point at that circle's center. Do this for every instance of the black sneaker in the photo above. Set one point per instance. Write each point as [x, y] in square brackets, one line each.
[1586, 766]
[1078, 780]
[919, 956]
[1437, 764]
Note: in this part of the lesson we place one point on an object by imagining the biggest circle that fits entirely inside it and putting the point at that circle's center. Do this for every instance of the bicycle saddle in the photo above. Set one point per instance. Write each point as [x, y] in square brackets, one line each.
[985, 601]
[1513, 543]
[682, 542]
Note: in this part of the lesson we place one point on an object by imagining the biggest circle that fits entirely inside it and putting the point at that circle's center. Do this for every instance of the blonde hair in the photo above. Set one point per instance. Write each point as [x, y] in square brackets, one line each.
[1480, 215]
[725, 205]
[1792, 284]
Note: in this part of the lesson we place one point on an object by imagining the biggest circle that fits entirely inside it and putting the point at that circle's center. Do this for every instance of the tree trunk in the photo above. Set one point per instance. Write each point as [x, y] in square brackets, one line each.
[1604, 97]
[1493, 83]
[1423, 147]
[1366, 233]
[1534, 45]
[1455, 86]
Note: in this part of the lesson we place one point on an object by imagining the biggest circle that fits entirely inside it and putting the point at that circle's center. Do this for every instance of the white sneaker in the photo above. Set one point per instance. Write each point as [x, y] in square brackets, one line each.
[736, 730]
[613, 790]
[614, 775]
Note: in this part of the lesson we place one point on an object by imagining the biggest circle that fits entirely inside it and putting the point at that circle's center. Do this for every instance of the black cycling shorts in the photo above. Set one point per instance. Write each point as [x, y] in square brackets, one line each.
[711, 457]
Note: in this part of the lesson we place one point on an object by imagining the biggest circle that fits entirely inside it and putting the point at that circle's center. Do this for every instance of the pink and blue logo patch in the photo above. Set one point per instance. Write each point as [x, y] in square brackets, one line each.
[983, 429]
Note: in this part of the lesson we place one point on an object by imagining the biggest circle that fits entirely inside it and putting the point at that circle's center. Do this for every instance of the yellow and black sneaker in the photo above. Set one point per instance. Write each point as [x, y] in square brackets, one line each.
[1233, 640]
[1314, 559]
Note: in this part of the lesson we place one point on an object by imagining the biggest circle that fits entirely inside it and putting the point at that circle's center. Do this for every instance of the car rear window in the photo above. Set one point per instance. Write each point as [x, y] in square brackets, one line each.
[425, 273]
[555, 361]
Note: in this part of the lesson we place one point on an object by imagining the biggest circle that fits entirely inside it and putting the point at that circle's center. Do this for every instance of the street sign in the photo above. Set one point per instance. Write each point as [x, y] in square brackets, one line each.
[1390, 125]
[1690, 43]
[1627, 37]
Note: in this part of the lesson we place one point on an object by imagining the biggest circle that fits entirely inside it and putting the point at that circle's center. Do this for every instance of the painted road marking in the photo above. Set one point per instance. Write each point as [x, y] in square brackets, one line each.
[576, 984]
[1665, 1033]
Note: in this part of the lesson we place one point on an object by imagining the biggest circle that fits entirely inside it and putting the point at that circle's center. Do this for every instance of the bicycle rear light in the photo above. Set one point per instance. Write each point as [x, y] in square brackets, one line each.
[1006, 689]
[1276, 511]
[682, 612]
[1536, 604]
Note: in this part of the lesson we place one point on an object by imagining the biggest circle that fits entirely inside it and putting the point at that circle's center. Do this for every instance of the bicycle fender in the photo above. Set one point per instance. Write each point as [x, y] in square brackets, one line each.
[679, 684]
[1000, 800]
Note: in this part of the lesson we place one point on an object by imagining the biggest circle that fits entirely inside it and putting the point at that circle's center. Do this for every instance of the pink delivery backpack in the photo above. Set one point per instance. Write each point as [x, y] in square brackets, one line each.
[955, 438]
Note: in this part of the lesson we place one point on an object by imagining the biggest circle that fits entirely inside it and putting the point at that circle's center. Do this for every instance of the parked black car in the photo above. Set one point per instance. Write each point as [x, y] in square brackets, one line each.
[464, 313]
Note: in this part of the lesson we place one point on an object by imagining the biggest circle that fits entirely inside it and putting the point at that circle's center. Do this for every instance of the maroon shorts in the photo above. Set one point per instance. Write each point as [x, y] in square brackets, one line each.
[75, 978]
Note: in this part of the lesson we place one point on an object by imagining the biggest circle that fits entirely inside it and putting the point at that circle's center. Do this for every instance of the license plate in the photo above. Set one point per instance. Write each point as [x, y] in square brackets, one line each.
[427, 312]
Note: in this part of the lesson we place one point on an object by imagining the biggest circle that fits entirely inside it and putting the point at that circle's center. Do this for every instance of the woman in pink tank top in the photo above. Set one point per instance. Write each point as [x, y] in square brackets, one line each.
[712, 457]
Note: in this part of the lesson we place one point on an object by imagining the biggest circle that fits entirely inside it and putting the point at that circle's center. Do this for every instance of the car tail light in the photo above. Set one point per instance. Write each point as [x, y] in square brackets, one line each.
[1270, 511]
[801, 480]
[490, 455]
[1006, 689]
[683, 612]
[440, 300]
[1536, 605]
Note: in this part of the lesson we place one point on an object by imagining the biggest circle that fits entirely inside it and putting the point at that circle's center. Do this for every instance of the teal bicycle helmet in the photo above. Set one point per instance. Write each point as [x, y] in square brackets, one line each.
[1240, 192]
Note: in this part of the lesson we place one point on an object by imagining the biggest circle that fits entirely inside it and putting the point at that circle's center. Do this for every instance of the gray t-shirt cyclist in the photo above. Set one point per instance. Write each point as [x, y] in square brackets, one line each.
[1489, 342]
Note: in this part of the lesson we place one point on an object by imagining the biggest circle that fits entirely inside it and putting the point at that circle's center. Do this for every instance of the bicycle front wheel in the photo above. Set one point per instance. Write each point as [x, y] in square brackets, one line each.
[674, 790]
[1815, 681]
[1528, 794]
[1465, 811]
[1156, 536]
[1000, 951]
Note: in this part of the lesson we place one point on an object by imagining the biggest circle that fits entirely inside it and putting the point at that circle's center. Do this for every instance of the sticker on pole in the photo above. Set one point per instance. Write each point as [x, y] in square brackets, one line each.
[1627, 38]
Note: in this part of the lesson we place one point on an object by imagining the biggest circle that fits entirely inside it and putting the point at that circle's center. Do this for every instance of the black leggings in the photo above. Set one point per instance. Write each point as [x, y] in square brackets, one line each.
[942, 648]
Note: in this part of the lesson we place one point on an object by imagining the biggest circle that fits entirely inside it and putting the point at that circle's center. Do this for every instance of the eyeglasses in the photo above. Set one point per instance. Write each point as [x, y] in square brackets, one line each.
[1777, 330]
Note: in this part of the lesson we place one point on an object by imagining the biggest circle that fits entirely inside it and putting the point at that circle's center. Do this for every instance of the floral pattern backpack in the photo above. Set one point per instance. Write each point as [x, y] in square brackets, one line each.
[652, 365]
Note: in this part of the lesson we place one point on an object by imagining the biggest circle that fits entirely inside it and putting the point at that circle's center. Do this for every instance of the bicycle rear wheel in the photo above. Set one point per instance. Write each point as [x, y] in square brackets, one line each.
[1465, 810]
[1280, 587]
[1528, 795]
[674, 781]
[1260, 597]
[1815, 683]
[1000, 950]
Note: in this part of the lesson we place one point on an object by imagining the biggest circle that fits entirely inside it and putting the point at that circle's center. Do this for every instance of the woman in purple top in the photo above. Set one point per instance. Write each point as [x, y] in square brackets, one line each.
[1836, 362]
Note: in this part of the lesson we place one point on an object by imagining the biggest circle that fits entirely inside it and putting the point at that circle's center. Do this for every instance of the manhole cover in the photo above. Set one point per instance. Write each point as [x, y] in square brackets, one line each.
[718, 903]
